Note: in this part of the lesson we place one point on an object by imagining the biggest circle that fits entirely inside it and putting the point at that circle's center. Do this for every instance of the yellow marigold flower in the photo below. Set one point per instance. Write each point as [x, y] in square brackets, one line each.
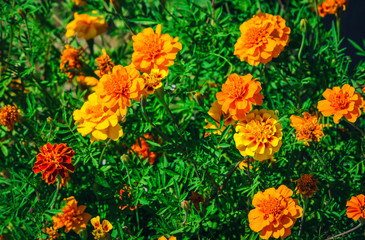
[263, 37]
[356, 207]
[331, 7]
[216, 113]
[275, 212]
[307, 128]
[94, 119]
[71, 59]
[153, 80]
[79, 3]
[306, 185]
[9, 115]
[341, 103]
[118, 88]
[154, 50]
[72, 216]
[53, 234]
[238, 94]
[164, 238]
[259, 135]
[86, 26]
[101, 230]
[105, 64]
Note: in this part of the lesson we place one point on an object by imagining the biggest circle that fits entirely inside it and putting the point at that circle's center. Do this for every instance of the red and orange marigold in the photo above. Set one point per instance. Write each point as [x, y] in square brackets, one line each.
[216, 113]
[72, 217]
[275, 212]
[54, 160]
[307, 128]
[153, 50]
[86, 26]
[238, 94]
[341, 102]
[71, 59]
[263, 37]
[356, 207]
[153, 80]
[116, 89]
[331, 7]
[143, 150]
[9, 115]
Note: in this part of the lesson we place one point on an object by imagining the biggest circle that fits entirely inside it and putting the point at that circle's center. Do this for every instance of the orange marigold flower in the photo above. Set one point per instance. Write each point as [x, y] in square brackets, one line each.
[244, 164]
[263, 37]
[331, 7]
[95, 119]
[71, 60]
[307, 128]
[238, 94]
[54, 160]
[72, 216]
[52, 233]
[143, 150]
[86, 26]
[125, 196]
[153, 80]
[275, 212]
[101, 230]
[259, 135]
[9, 115]
[164, 238]
[307, 185]
[216, 113]
[79, 3]
[196, 198]
[118, 88]
[105, 64]
[341, 103]
[90, 81]
[356, 207]
[154, 50]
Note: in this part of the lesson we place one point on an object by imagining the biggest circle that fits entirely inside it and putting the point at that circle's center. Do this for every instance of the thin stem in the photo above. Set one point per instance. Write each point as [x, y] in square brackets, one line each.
[127, 23]
[259, 5]
[102, 153]
[302, 219]
[344, 233]
[301, 47]
[317, 15]
[186, 217]
[164, 8]
[129, 178]
[29, 40]
[357, 128]
[57, 191]
[338, 21]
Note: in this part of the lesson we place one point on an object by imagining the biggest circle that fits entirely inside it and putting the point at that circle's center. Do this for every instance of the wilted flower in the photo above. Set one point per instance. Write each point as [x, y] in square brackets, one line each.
[9, 115]
[307, 185]
[259, 135]
[86, 26]
[101, 230]
[216, 113]
[54, 160]
[118, 88]
[105, 64]
[263, 37]
[356, 207]
[72, 217]
[95, 119]
[341, 103]
[125, 196]
[238, 94]
[153, 50]
[143, 150]
[307, 128]
[153, 80]
[71, 60]
[275, 212]
[331, 7]
[196, 198]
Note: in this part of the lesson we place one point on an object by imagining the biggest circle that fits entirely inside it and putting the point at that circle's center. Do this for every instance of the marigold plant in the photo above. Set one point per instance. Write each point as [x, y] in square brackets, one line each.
[153, 50]
[238, 94]
[54, 160]
[307, 128]
[101, 229]
[72, 216]
[263, 37]
[86, 26]
[307, 185]
[9, 115]
[259, 135]
[356, 207]
[275, 212]
[341, 102]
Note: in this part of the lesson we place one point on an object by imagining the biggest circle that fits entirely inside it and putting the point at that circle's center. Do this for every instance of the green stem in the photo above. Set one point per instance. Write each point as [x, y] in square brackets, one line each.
[341, 234]
[317, 15]
[102, 153]
[338, 21]
[301, 47]
[302, 219]
[357, 128]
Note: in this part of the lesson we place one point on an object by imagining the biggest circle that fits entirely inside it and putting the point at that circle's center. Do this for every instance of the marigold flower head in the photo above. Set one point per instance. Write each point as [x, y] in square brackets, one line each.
[341, 102]
[125, 196]
[101, 230]
[331, 7]
[86, 26]
[153, 50]
[238, 94]
[95, 119]
[216, 113]
[259, 135]
[105, 64]
[52, 233]
[275, 212]
[263, 37]
[143, 150]
[116, 89]
[153, 80]
[80, 3]
[71, 60]
[54, 160]
[356, 207]
[9, 115]
[72, 217]
[164, 238]
[196, 198]
[307, 185]
[307, 128]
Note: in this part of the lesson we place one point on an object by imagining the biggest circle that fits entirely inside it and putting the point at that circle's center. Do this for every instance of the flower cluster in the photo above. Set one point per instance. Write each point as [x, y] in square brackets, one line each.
[331, 7]
[307, 128]
[9, 115]
[86, 26]
[263, 37]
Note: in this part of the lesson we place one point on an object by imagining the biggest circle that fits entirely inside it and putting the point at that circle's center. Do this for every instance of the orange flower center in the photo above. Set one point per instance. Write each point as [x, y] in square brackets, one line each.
[117, 85]
[261, 130]
[95, 111]
[237, 88]
[256, 36]
[273, 207]
[341, 101]
[152, 48]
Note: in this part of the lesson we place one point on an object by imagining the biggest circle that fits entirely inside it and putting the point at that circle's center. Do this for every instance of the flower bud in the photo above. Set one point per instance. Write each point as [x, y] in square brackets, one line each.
[49, 120]
[83, 234]
[124, 158]
[303, 25]
[185, 205]
[22, 13]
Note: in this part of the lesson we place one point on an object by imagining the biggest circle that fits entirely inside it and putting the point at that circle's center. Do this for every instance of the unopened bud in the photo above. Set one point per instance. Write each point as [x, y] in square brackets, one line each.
[22, 13]
[124, 158]
[185, 205]
[83, 234]
[303, 25]
[143, 101]
[49, 120]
